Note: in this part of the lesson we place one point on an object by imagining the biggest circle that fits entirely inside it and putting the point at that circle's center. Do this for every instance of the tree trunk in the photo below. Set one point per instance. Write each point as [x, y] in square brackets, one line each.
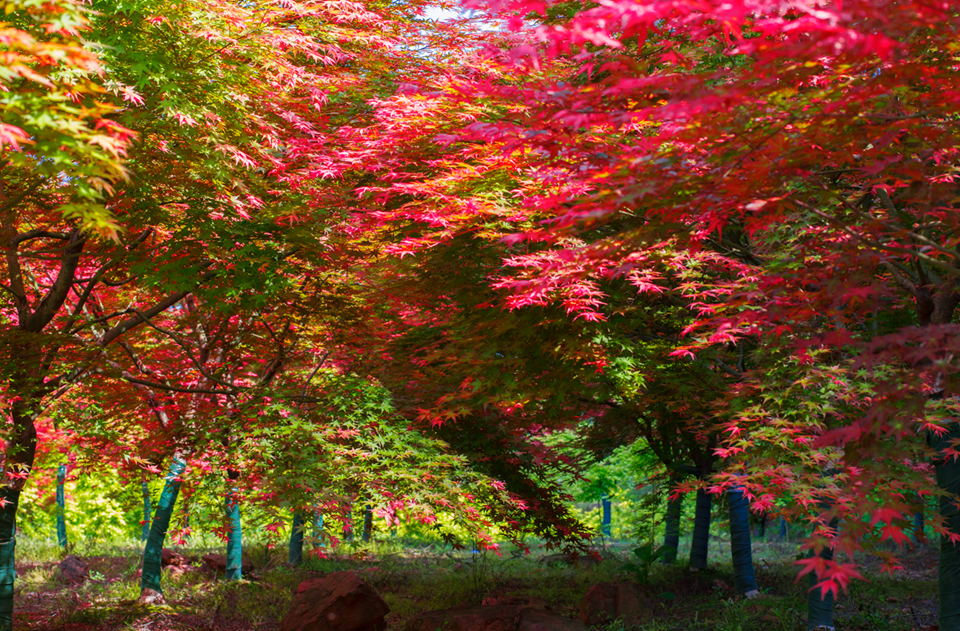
[234, 571]
[61, 507]
[607, 519]
[295, 547]
[317, 529]
[150, 590]
[744, 578]
[348, 525]
[948, 479]
[671, 538]
[819, 604]
[783, 529]
[20, 454]
[701, 531]
[8, 542]
[367, 523]
[918, 519]
[147, 510]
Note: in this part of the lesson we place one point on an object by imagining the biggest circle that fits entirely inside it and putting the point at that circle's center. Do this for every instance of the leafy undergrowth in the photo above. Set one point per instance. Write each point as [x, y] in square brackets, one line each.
[413, 580]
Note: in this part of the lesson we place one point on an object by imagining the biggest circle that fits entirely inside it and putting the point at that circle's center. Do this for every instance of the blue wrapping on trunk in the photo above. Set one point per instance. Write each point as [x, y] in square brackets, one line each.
[317, 529]
[295, 548]
[147, 510]
[150, 578]
[234, 570]
[701, 530]
[607, 519]
[61, 506]
[820, 605]
[8, 543]
[948, 479]
[744, 579]
[671, 538]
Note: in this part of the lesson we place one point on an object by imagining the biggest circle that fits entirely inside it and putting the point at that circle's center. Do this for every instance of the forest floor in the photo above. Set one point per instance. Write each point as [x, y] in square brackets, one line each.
[416, 579]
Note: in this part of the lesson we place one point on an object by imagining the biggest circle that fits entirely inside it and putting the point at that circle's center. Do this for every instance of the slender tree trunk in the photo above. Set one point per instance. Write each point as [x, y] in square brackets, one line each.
[820, 604]
[948, 479]
[234, 570]
[607, 520]
[8, 542]
[783, 529]
[317, 529]
[744, 578]
[61, 507]
[20, 454]
[671, 538]
[150, 590]
[295, 547]
[701, 531]
[147, 510]
[367, 523]
[762, 526]
[918, 519]
[348, 525]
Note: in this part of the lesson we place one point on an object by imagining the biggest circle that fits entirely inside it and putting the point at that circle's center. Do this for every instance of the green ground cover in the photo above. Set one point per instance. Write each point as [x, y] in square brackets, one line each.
[414, 577]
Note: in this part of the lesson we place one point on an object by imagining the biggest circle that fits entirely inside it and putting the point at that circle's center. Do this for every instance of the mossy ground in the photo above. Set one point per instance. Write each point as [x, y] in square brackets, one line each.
[414, 579]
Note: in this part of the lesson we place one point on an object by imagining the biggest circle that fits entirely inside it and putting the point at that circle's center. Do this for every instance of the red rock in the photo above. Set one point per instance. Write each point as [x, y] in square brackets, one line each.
[74, 570]
[337, 602]
[608, 601]
[169, 557]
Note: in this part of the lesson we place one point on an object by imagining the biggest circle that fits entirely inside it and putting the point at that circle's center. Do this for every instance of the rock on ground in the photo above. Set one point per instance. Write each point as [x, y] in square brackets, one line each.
[337, 602]
[74, 570]
[168, 557]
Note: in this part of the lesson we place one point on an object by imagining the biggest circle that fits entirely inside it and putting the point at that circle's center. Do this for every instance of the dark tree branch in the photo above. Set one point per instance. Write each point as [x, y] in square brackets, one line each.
[160, 386]
[143, 316]
[39, 234]
[58, 293]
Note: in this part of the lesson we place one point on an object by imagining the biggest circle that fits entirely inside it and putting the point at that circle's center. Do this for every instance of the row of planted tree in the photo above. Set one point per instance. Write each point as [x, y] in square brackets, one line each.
[300, 249]
[156, 526]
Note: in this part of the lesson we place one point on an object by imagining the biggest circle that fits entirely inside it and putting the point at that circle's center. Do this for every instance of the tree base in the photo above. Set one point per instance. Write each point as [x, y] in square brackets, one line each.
[150, 596]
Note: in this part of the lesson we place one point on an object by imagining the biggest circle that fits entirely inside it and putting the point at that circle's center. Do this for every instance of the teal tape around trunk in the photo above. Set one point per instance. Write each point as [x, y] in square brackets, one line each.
[8, 542]
[234, 571]
[606, 523]
[948, 479]
[744, 578]
[671, 538]
[295, 547]
[150, 578]
[61, 506]
[147, 510]
[367, 523]
[701, 530]
[317, 529]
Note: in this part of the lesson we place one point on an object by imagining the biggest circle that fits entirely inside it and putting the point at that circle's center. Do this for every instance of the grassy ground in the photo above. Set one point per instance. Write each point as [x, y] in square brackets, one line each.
[417, 579]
